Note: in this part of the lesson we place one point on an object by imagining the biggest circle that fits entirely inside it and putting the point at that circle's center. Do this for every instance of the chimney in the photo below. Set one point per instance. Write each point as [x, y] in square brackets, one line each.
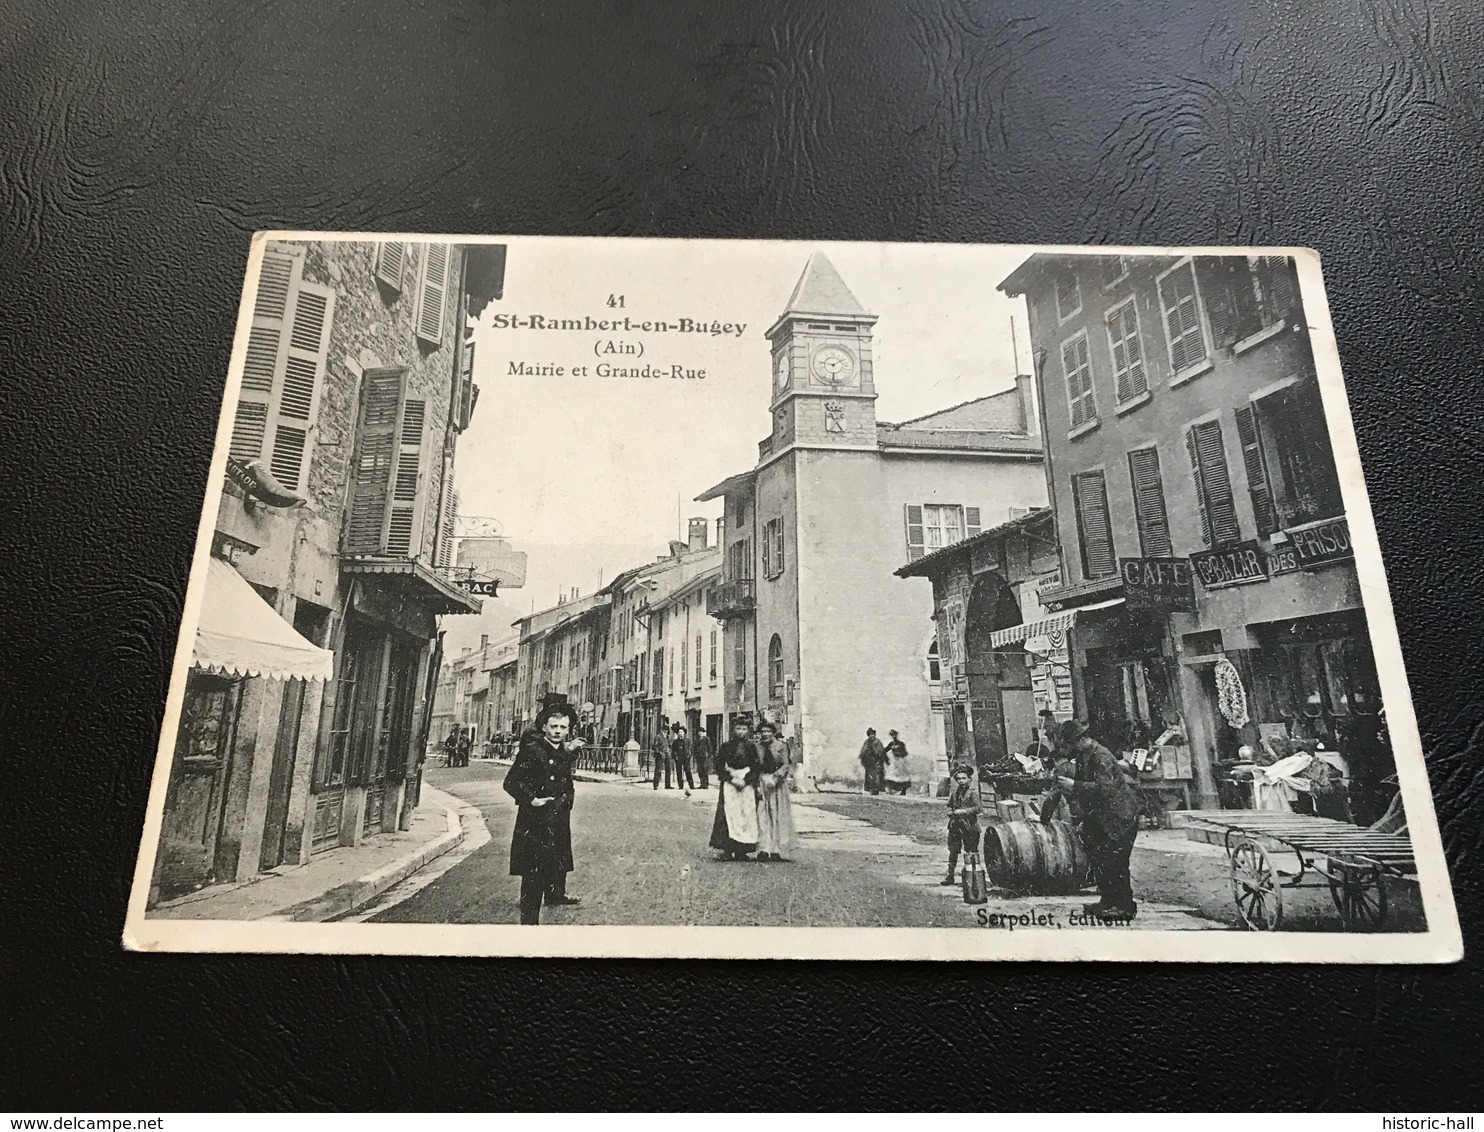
[721, 530]
[484, 641]
[1025, 387]
[699, 530]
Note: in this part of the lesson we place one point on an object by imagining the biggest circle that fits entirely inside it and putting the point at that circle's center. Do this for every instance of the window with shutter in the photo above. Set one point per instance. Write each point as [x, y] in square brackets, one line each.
[391, 260]
[713, 656]
[376, 450]
[403, 532]
[1077, 365]
[278, 277]
[432, 295]
[1068, 299]
[1129, 378]
[778, 546]
[447, 509]
[1182, 316]
[971, 522]
[914, 532]
[1212, 484]
[698, 660]
[1094, 530]
[466, 391]
[1258, 485]
[1149, 503]
[768, 549]
[297, 402]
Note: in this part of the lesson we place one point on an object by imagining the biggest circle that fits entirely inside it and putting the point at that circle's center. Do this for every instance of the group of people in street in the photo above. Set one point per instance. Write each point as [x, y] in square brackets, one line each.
[754, 813]
[458, 746]
[675, 751]
[885, 764]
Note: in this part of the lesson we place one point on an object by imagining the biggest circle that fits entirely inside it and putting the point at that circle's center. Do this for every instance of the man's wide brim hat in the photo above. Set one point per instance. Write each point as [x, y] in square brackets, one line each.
[1070, 731]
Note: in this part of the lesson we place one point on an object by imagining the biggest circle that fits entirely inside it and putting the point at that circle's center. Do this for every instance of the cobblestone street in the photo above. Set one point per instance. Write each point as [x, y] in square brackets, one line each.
[642, 859]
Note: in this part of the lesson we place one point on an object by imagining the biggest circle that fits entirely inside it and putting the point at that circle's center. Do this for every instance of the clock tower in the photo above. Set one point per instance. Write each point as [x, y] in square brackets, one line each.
[824, 393]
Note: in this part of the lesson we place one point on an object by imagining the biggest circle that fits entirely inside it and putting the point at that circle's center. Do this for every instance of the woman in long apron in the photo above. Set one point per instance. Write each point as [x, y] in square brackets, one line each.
[734, 831]
[775, 815]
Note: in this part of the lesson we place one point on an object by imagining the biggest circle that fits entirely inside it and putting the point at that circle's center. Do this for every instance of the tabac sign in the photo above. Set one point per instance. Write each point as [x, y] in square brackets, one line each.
[1159, 584]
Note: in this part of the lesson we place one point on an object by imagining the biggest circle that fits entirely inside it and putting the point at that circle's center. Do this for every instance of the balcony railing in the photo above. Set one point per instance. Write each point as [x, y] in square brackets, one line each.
[732, 599]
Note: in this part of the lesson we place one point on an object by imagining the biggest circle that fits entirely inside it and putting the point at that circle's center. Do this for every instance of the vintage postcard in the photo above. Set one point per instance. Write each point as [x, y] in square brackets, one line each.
[691, 598]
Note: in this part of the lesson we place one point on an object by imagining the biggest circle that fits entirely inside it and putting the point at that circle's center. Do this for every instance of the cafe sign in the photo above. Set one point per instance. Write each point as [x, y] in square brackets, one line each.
[1310, 547]
[1234, 565]
[1158, 584]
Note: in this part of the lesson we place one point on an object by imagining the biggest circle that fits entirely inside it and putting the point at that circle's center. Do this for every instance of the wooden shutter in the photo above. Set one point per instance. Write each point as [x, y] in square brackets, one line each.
[971, 522]
[1090, 495]
[1077, 366]
[1129, 377]
[1257, 473]
[1213, 484]
[466, 392]
[768, 549]
[1275, 279]
[433, 294]
[371, 475]
[778, 545]
[278, 278]
[301, 384]
[1177, 297]
[447, 511]
[391, 260]
[1149, 503]
[404, 529]
[914, 532]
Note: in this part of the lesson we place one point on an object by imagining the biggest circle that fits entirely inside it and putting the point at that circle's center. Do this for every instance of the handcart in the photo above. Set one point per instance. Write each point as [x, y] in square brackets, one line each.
[1352, 861]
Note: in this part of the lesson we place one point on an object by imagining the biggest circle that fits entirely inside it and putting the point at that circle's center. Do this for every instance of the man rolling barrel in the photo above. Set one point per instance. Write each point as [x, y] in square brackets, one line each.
[1107, 808]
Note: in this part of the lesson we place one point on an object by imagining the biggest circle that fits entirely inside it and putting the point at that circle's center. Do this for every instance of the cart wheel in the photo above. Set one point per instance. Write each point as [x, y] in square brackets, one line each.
[1359, 895]
[1255, 887]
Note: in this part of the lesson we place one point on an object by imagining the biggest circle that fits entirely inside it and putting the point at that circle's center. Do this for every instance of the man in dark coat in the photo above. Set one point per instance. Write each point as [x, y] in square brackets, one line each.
[680, 756]
[701, 750]
[1107, 808]
[873, 758]
[540, 781]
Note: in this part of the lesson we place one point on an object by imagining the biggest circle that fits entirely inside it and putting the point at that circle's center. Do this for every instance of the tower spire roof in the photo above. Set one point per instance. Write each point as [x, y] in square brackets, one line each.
[820, 290]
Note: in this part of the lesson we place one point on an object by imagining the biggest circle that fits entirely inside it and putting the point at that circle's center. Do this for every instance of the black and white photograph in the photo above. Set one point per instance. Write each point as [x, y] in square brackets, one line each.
[606, 597]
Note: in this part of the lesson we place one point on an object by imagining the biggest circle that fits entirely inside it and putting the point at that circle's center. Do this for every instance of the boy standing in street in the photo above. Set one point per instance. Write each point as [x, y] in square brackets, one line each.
[963, 819]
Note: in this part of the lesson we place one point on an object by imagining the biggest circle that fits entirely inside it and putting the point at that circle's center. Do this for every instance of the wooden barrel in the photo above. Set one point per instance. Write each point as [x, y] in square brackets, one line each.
[1035, 859]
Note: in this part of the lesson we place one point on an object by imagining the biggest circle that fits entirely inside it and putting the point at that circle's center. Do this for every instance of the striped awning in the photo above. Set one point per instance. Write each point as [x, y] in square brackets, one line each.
[1043, 626]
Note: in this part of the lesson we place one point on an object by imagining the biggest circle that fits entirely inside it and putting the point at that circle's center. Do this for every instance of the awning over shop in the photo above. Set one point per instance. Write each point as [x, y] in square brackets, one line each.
[240, 634]
[1056, 622]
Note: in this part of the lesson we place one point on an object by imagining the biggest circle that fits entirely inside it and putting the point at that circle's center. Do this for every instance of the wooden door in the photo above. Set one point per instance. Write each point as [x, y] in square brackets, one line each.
[198, 779]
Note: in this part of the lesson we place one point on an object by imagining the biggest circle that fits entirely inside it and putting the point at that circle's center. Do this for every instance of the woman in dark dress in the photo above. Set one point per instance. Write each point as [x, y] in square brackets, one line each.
[540, 781]
[737, 771]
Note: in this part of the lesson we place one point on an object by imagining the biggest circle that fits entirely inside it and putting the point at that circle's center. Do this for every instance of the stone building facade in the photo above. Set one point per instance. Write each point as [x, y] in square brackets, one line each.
[1202, 535]
[819, 635]
[354, 386]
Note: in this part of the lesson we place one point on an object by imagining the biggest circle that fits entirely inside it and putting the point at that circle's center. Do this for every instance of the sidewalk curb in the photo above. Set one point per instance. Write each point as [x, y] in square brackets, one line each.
[354, 895]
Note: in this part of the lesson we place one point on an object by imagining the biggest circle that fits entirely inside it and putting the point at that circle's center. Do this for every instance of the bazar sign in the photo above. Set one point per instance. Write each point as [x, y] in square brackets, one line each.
[1233, 565]
[1313, 546]
[1161, 584]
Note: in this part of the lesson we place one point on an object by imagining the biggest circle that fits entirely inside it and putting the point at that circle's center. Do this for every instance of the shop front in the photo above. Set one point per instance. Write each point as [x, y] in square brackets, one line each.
[369, 765]
[247, 661]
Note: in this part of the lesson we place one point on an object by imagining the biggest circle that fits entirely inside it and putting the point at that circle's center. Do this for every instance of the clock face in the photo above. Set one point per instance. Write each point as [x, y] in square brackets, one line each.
[780, 370]
[833, 364]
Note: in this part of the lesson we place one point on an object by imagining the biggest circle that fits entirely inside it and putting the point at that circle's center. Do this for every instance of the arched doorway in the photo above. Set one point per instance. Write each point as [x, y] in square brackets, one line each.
[1000, 714]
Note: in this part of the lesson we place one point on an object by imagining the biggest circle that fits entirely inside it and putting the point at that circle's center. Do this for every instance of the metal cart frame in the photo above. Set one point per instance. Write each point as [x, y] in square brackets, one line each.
[1352, 861]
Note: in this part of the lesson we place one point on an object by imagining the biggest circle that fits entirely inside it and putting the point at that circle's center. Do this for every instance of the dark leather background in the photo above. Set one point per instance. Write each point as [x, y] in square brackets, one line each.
[141, 145]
